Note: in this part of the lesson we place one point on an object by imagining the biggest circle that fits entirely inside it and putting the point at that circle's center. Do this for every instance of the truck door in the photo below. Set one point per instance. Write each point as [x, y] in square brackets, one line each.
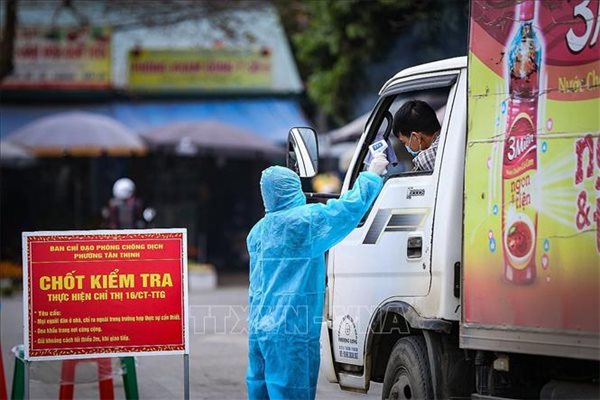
[389, 254]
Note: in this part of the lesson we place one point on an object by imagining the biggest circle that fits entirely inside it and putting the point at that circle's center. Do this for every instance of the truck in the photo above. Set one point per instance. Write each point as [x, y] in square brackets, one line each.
[481, 277]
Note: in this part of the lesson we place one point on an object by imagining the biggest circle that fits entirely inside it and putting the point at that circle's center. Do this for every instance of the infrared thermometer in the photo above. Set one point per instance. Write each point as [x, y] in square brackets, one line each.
[378, 147]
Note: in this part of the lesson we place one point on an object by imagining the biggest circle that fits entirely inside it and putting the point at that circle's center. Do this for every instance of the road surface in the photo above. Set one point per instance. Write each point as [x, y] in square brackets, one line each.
[218, 351]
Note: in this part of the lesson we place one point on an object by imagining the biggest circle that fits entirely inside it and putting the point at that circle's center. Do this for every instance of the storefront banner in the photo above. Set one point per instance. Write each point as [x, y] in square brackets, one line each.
[199, 69]
[105, 293]
[61, 58]
[532, 184]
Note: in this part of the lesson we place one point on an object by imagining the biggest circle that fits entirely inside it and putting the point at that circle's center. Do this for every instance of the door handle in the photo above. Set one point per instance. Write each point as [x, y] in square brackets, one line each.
[414, 247]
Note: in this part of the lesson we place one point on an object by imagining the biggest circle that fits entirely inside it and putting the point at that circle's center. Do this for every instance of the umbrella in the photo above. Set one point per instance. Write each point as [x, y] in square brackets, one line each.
[14, 154]
[11, 151]
[189, 137]
[79, 134]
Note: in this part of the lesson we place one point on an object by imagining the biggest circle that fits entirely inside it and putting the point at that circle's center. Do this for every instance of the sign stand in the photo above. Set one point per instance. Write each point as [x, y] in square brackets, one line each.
[105, 380]
[130, 378]
[26, 379]
[22, 374]
[186, 376]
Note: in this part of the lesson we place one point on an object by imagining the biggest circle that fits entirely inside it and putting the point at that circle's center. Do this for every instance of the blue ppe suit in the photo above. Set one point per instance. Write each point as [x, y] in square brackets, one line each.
[287, 280]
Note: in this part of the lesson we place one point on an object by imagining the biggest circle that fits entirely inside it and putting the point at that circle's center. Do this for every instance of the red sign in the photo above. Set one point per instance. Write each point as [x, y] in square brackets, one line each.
[105, 293]
[61, 58]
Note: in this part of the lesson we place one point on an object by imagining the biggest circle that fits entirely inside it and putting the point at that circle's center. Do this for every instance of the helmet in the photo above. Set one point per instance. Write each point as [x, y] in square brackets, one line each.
[123, 188]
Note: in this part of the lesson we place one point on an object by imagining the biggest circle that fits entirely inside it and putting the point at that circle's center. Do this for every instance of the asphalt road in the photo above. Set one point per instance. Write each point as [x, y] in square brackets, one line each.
[218, 352]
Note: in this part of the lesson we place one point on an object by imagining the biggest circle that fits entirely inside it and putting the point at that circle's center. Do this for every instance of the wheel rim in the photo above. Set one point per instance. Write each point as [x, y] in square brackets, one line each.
[402, 388]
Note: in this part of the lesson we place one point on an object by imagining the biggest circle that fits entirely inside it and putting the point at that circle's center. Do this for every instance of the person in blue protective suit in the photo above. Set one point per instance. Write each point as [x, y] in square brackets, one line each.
[287, 278]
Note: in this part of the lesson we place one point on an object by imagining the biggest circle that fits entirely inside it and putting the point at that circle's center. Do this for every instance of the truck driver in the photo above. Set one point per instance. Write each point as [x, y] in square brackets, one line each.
[417, 127]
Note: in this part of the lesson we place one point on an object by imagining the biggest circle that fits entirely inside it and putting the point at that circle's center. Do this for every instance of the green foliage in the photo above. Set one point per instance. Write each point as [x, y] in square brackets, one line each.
[339, 38]
[334, 40]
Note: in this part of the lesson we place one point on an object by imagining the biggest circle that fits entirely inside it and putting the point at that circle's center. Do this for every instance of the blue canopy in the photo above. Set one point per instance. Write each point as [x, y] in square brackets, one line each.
[269, 118]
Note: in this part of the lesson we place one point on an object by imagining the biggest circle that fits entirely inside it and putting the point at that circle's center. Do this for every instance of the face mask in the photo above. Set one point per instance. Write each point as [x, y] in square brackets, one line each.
[411, 151]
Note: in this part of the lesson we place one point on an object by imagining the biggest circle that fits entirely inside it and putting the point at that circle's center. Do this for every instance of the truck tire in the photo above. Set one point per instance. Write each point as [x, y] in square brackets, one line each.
[407, 371]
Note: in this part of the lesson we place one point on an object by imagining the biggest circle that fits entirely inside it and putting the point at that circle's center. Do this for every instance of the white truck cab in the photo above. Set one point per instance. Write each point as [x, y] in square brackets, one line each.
[397, 273]
[400, 269]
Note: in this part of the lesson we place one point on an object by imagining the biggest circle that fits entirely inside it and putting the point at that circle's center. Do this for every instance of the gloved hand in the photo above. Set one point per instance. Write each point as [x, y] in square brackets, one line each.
[378, 164]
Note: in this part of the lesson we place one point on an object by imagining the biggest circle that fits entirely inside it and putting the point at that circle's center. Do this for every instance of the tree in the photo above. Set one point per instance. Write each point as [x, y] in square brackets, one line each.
[334, 40]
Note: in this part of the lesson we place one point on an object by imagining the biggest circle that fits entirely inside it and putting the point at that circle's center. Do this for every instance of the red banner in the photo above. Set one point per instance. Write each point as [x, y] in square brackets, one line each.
[105, 293]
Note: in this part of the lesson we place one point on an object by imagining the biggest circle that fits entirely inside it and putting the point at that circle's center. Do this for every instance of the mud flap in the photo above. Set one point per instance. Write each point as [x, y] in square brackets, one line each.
[327, 369]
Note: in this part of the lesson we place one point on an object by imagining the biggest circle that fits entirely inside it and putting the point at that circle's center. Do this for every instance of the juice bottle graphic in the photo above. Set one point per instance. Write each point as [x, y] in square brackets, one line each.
[519, 165]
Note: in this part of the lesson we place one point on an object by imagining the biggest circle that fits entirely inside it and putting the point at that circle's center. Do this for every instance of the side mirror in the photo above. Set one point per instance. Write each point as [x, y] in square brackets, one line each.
[303, 152]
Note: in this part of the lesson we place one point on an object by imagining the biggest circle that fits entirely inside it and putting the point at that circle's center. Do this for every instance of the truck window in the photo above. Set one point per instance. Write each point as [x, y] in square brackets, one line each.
[401, 161]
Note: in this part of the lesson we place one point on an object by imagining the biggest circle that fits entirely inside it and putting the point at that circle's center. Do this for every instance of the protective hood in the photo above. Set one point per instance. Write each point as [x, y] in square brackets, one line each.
[281, 189]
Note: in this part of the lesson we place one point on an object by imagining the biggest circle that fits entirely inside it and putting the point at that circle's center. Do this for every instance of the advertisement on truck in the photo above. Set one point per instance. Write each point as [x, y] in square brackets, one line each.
[532, 210]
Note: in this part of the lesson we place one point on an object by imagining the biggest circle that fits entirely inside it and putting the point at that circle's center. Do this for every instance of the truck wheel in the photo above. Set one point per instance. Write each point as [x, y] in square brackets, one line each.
[407, 371]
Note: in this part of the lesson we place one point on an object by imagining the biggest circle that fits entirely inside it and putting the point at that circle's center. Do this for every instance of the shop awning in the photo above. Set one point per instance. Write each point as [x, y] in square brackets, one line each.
[270, 118]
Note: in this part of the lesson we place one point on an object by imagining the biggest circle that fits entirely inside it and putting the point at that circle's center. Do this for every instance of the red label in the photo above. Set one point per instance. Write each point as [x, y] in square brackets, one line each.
[93, 294]
[520, 147]
[519, 216]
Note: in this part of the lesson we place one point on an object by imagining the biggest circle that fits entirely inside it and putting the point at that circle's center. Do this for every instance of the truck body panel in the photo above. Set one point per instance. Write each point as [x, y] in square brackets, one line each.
[555, 311]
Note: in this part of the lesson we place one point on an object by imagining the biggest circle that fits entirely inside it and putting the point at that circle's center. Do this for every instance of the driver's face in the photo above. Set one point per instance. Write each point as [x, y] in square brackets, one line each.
[412, 141]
